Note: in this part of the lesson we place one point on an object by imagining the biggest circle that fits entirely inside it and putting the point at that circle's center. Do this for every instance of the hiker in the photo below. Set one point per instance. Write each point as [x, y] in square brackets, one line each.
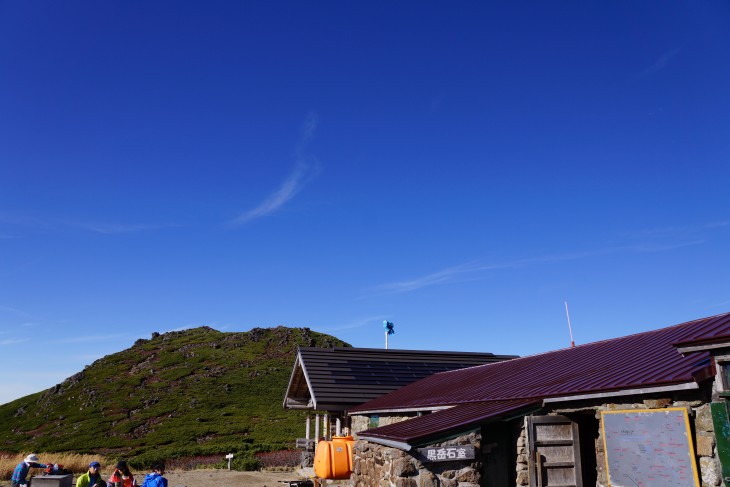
[155, 478]
[122, 476]
[21, 471]
[92, 477]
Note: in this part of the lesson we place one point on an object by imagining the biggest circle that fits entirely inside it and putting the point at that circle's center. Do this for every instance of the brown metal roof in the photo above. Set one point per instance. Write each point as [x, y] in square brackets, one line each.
[642, 360]
[336, 379]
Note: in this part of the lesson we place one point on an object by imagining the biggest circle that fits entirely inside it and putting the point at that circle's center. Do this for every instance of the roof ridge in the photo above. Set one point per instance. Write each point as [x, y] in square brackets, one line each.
[606, 340]
[622, 337]
[400, 350]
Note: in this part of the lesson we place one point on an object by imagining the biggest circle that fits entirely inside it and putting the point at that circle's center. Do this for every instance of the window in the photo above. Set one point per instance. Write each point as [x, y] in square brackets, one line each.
[723, 369]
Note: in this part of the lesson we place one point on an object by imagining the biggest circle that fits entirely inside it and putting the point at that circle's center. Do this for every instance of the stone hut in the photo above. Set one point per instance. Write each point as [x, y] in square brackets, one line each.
[328, 381]
[647, 409]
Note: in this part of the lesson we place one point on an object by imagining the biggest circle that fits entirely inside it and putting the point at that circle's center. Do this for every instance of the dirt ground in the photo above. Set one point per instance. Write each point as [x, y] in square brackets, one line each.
[230, 478]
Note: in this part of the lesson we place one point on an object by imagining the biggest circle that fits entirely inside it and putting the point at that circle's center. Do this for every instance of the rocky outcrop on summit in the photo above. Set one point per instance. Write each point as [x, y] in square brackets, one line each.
[217, 391]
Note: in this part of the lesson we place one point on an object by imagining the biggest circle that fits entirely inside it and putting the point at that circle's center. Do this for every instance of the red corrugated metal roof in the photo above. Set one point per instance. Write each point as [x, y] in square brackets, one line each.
[460, 417]
[642, 360]
[707, 330]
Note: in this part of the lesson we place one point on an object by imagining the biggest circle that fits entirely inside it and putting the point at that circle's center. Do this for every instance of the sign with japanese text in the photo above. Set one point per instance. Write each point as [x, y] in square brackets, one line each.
[649, 448]
[446, 453]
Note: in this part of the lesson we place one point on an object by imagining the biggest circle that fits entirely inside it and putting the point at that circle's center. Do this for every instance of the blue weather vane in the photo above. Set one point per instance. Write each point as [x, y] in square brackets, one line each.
[389, 330]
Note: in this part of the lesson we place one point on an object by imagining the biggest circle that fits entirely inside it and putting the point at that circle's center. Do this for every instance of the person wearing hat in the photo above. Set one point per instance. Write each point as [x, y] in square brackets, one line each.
[21, 471]
[122, 476]
[92, 477]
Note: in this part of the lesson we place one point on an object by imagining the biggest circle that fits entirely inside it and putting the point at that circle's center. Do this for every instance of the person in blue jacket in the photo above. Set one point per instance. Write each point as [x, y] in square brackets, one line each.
[155, 478]
[21, 471]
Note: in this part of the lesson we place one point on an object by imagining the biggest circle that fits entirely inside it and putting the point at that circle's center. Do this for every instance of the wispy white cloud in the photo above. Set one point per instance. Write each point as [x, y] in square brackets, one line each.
[439, 277]
[358, 323]
[91, 338]
[472, 270]
[116, 228]
[718, 224]
[679, 231]
[301, 175]
[11, 341]
[23, 220]
[15, 311]
[53, 225]
[660, 63]
[308, 129]
[305, 169]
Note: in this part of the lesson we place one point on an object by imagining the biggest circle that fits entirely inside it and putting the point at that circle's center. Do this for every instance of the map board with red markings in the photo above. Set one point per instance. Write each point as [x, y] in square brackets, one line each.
[649, 448]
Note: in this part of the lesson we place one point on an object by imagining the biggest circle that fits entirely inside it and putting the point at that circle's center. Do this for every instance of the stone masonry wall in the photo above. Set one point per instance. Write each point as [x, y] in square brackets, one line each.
[361, 423]
[703, 439]
[381, 466]
[523, 473]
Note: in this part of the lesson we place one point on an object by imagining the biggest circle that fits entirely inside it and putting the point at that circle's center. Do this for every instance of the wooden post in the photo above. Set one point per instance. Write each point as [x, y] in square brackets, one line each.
[316, 428]
[309, 420]
[338, 426]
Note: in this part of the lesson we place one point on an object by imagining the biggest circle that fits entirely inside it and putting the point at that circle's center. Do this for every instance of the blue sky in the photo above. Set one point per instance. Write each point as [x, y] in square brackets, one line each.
[459, 168]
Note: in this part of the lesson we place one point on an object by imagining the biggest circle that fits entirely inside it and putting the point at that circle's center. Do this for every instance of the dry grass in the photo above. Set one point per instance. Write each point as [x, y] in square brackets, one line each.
[280, 460]
[71, 461]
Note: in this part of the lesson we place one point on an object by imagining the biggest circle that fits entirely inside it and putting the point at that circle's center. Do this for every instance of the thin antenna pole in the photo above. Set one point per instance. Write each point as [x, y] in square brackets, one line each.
[386, 340]
[572, 343]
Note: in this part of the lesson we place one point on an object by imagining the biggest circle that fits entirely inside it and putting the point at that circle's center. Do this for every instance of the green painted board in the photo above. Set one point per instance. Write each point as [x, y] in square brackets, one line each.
[722, 436]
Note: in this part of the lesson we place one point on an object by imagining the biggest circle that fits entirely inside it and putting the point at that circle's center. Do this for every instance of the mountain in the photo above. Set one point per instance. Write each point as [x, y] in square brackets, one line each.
[185, 393]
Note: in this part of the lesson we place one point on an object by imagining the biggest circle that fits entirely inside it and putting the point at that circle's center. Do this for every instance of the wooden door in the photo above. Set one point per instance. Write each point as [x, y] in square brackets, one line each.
[554, 452]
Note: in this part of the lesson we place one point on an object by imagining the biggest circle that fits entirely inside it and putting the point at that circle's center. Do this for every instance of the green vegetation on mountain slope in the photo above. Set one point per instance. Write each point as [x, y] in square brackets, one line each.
[186, 393]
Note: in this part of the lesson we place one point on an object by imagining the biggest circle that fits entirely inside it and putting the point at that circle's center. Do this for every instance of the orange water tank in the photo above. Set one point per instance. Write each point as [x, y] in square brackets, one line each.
[333, 459]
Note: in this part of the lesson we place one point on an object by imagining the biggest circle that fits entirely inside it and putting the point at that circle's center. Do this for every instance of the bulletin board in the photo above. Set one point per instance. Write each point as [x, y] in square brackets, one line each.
[649, 448]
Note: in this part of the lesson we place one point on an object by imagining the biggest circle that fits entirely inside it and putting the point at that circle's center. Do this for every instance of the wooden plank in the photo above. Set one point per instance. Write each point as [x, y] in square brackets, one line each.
[568, 442]
[558, 464]
[554, 452]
